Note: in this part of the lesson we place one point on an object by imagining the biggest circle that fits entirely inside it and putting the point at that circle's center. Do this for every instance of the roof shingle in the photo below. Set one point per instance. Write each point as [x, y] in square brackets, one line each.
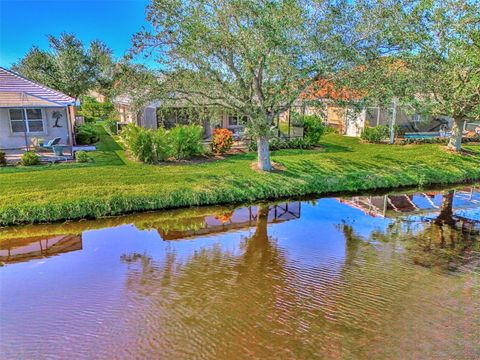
[11, 82]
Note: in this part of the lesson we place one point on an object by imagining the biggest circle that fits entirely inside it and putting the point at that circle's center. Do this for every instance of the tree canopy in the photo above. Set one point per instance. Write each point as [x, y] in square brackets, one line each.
[436, 69]
[68, 66]
[255, 58]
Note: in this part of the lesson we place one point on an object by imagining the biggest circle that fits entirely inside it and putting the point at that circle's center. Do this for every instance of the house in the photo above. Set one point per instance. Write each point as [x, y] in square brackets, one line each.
[146, 116]
[153, 116]
[210, 119]
[351, 121]
[321, 99]
[31, 113]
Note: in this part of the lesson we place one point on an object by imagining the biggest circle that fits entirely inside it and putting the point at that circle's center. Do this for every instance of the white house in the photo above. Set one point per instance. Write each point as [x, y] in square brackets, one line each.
[31, 113]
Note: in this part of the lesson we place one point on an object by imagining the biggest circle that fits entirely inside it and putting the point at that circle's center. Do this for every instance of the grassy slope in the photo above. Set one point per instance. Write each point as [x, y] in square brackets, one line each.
[113, 185]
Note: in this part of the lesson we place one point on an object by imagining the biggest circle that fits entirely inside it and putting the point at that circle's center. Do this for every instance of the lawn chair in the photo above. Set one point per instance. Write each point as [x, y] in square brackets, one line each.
[49, 144]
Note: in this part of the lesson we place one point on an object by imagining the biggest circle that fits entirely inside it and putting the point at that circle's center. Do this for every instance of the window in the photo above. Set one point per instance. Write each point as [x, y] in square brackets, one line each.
[26, 120]
[235, 120]
[417, 118]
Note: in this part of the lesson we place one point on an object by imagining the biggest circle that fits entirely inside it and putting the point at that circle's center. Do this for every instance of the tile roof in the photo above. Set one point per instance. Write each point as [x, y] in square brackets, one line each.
[32, 92]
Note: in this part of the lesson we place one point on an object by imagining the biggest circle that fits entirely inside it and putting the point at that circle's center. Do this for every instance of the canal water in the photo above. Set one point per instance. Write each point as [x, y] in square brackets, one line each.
[392, 276]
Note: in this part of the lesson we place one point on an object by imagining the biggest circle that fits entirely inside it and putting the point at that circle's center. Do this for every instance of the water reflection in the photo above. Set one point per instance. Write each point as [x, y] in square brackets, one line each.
[392, 276]
[30, 248]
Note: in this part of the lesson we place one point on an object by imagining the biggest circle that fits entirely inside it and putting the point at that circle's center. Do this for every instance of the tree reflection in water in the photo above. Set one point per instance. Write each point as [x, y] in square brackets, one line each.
[219, 303]
[230, 303]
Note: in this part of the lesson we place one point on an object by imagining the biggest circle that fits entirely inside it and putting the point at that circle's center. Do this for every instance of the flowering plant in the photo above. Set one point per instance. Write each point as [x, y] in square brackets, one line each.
[222, 140]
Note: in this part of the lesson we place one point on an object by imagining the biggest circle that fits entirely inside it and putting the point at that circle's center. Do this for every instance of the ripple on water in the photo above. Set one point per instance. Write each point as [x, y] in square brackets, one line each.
[273, 289]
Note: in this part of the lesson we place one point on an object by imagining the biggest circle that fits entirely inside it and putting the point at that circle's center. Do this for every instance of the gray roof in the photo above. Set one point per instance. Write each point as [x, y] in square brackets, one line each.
[17, 91]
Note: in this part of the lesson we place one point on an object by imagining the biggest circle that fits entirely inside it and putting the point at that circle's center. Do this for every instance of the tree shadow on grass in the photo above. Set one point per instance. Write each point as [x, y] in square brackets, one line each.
[335, 148]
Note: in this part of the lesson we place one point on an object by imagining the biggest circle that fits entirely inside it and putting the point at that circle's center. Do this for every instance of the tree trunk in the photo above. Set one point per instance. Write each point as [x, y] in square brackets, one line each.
[446, 211]
[263, 152]
[455, 142]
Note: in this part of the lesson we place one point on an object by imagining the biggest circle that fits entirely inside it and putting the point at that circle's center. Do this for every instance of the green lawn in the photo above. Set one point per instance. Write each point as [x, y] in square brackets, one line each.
[113, 185]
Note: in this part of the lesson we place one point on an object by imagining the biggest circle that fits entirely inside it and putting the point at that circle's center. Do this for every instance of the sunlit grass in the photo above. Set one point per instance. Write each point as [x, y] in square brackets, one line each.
[112, 184]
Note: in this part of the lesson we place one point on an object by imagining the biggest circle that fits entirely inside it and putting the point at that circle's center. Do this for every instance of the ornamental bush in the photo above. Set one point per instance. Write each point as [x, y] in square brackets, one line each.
[152, 146]
[81, 157]
[375, 134]
[142, 146]
[279, 144]
[86, 134]
[222, 140]
[313, 129]
[161, 145]
[186, 141]
[30, 158]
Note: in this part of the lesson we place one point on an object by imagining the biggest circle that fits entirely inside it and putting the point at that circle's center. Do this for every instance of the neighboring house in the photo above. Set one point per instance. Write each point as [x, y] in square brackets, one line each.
[219, 118]
[351, 121]
[146, 116]
[154, 116]
[31, 113]
[322, 100]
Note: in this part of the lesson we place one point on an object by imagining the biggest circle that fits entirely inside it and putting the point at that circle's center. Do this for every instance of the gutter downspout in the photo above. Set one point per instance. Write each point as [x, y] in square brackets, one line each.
[25, 133]
[71, 135]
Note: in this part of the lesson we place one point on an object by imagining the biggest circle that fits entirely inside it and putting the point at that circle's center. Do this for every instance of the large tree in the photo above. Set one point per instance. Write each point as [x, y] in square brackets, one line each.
[255, 58]
[68, 66]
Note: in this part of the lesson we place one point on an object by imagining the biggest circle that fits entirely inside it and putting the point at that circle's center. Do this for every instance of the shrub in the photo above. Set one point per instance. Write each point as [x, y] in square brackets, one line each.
[128, 133]
[186, 141]
[313, 129]
[297, 119]
[81, 157]
[152, 146]
[142, 146]
[299, 143]
[430, 140]
[279, 144]
[3, 159]
[375, 134]
[93, 110]
[161, 145]
[146, 145]
[222, 140]
[110, 126]
[329, 129]
[30, 158]
[86, 134]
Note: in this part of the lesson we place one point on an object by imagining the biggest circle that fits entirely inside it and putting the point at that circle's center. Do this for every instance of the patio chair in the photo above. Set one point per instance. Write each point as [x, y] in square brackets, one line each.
[49, 144]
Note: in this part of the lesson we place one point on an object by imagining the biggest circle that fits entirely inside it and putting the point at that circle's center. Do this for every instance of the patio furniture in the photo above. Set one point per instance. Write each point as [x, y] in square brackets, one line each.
[49, 144]
[58, 149]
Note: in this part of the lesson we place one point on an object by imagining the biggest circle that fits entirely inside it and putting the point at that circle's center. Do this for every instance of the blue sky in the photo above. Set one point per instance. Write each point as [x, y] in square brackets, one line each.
[24, 23]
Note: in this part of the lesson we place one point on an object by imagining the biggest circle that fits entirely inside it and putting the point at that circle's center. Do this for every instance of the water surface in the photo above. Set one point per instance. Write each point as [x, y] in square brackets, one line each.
[365, 277]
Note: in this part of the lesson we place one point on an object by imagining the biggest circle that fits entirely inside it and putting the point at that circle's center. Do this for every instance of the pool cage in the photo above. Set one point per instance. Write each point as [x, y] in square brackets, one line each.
[403, 122]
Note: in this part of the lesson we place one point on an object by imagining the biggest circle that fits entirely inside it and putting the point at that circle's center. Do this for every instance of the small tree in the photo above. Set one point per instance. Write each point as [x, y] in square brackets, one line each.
[255, 58]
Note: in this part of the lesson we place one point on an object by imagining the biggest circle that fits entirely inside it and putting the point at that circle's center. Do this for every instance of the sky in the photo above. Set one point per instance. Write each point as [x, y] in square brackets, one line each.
[25, 23]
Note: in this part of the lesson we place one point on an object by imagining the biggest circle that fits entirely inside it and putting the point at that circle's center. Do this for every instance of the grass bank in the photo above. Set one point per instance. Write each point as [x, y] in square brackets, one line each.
[113, 185]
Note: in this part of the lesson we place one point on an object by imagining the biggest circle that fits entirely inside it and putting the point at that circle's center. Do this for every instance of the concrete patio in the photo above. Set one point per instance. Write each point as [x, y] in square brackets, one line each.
[14, 156]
